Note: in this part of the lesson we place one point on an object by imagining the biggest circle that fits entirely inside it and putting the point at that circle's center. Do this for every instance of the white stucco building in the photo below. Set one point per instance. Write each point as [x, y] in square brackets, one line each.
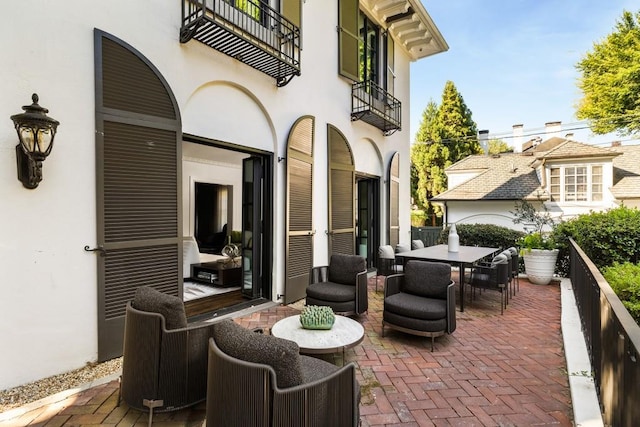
[176, 119]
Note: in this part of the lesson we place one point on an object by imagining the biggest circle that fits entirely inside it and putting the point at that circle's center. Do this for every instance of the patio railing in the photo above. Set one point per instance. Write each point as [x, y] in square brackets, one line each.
[613, 341]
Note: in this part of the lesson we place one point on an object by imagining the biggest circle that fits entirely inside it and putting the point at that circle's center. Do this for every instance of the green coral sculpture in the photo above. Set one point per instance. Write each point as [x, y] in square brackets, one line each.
[317, 317]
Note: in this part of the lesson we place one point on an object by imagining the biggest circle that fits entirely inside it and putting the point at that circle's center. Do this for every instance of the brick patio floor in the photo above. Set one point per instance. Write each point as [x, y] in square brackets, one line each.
[494, 370]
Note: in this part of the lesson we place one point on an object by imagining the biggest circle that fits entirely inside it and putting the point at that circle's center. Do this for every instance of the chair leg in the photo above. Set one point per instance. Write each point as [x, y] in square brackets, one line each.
[432, 341]
[150, 403]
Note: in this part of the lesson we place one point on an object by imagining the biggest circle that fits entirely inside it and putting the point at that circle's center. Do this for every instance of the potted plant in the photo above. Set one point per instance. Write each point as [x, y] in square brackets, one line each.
[537, 248]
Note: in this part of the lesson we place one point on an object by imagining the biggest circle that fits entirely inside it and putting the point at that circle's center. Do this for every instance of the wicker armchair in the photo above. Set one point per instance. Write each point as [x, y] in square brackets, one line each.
[492, 276]
[421, 301]
[342, 285]
[260, 380]
[164, 366]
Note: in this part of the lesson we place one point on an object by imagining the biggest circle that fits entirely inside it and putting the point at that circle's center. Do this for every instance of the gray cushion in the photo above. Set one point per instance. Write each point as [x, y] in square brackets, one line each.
[499, 259]
[427, 279]
[416, 307]
[282, 355]
[169, 306]
[328, 291]
[402, 248]
[417, 244]
[386, 252]
[343, 269]
[315, 369]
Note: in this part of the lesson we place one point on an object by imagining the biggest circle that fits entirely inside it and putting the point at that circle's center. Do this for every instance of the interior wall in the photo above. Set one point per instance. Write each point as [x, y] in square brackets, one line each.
[199, 169]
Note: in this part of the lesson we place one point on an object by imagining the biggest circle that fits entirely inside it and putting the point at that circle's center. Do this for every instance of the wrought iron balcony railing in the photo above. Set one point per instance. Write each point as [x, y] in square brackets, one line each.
[247, 30]
[374, 105]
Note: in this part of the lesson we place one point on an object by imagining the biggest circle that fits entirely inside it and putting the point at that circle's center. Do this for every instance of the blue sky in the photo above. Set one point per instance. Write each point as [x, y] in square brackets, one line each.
[513, 61]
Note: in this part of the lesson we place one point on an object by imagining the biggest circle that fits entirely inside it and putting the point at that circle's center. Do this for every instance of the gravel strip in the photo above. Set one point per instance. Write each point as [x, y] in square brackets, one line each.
[27, 393]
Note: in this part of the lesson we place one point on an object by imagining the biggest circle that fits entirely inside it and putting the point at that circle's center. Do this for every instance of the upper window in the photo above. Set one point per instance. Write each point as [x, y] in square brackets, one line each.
[373, 47]
[576, 183]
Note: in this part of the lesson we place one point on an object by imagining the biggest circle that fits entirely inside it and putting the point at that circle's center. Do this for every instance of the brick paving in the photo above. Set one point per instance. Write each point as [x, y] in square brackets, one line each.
[494, 370]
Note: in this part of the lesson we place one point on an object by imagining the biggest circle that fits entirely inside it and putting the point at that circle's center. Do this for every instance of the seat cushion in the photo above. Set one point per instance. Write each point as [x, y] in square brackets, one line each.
[315, 369]
[427, 279]
[343, 269]
[416, 307]
[169, 306]
[282, 355]
[329, 291]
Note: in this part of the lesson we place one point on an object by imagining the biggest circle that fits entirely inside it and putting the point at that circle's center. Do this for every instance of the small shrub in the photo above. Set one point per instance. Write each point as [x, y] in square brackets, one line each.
[625, 281]
[487, 235]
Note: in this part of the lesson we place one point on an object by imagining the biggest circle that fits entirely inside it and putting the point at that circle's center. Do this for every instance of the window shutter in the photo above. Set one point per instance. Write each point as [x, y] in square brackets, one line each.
[390, 64]
[342, 229]
[394, 201]
[292, 10]
[348, 39]
[299, 247]
[138, 169]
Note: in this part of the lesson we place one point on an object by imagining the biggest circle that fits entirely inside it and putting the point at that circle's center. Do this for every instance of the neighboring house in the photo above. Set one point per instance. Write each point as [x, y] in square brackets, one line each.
[569, 177]
[183, 122]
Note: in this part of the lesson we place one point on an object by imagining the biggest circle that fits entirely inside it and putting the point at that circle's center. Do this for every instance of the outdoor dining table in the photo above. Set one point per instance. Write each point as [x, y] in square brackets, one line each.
[440, 253]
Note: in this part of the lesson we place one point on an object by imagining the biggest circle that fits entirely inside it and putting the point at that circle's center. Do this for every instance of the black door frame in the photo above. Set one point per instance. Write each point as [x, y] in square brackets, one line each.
[265, 269]
[372, 188]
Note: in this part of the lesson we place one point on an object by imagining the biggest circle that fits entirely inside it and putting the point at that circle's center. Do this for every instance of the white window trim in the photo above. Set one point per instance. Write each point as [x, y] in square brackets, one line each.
[563, 167]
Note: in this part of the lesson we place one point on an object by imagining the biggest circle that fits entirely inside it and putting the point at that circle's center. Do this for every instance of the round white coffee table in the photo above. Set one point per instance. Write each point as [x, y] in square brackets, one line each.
[344, 334]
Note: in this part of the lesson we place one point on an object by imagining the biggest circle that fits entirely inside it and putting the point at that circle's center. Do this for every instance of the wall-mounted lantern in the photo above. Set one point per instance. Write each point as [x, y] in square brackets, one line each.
[36, 131]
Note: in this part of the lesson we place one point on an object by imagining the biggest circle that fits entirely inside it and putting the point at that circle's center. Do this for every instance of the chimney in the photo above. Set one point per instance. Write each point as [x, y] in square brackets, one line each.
[483, 139]
[616, 143]
[552, 129]
[569, 136]
[517, 138]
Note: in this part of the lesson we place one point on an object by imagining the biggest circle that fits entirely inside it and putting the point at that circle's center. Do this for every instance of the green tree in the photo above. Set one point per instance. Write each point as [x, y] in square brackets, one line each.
[497, 146]
[610, 80]
[446, 135]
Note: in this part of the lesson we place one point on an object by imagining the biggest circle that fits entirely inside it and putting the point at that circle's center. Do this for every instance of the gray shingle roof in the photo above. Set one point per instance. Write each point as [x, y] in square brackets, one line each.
[512, 176]
[508, 176]
[626, 172]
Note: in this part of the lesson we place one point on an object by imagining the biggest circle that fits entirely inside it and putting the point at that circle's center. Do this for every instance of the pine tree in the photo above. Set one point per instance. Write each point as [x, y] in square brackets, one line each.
[446, 135]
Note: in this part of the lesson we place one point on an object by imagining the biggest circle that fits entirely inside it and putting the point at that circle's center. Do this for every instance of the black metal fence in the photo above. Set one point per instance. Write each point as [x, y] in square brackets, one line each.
[428, 235]
[613, 340]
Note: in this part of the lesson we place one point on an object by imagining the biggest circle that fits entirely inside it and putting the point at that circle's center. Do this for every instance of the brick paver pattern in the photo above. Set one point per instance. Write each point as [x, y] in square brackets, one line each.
[494, 370]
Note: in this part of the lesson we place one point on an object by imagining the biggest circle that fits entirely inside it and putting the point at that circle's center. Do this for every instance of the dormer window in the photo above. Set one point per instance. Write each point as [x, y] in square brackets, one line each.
[576, 183]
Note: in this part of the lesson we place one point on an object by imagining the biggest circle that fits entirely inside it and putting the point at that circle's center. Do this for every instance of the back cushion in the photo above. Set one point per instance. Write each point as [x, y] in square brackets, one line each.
[427, 279]
[386, 252]
[282, 355]
[172, 308]
[344, 268]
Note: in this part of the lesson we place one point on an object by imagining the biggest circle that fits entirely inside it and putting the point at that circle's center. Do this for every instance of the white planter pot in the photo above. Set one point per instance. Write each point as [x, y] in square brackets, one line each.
[539, 265]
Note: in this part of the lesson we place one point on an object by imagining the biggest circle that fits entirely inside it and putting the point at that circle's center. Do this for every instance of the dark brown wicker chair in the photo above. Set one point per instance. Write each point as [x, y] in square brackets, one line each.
[421, 301]
[163, 369]
[342, 285]
[493, 276]
[260, 380]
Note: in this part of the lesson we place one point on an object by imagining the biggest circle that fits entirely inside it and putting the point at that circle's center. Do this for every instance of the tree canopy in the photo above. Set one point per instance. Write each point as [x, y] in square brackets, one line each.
[497, 146]
[610, 80]
[447, 134]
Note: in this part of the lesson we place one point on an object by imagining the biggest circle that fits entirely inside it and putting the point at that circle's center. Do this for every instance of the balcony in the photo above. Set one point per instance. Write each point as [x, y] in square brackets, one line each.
[254, 34]
[374, 105]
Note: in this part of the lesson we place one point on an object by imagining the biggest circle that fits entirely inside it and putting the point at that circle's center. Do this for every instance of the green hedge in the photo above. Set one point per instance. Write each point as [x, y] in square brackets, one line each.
[488, 235]
[625, 281]
[606, 237]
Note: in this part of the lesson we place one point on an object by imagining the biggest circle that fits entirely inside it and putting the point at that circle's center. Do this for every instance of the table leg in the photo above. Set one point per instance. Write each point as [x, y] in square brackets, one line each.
[461, 280]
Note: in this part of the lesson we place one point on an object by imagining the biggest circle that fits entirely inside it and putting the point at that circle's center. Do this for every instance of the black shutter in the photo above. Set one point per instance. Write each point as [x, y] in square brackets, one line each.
[138, 170]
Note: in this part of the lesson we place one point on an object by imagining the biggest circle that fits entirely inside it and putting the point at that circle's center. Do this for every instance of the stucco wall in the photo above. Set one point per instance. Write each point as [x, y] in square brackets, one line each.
[49, 302]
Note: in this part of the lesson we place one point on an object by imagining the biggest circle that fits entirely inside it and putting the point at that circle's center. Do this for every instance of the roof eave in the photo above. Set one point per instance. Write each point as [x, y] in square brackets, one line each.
[410, 24]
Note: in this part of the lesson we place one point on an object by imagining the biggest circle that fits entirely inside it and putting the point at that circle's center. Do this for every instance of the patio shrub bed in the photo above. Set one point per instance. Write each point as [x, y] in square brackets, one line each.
[488, 235]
